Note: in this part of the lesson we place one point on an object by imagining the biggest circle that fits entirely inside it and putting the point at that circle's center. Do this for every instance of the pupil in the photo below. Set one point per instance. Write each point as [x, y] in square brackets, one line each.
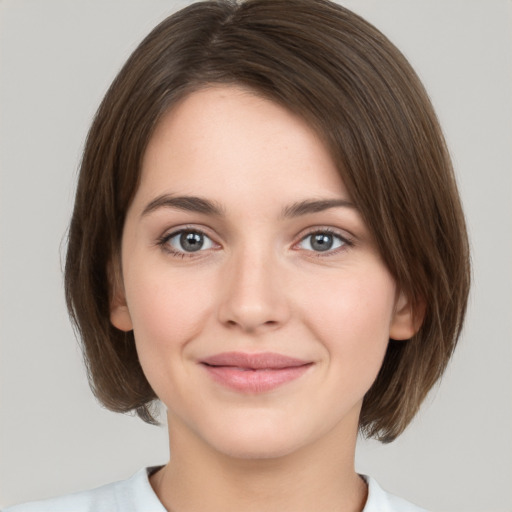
[191, 241]
[322, 242]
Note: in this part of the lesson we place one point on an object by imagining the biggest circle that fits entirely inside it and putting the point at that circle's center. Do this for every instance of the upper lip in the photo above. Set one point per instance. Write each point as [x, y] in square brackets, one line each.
[255, 361]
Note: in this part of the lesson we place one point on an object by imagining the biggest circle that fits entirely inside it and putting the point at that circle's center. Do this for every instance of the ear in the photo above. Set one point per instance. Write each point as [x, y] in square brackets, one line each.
[407, 318]
[119, 313]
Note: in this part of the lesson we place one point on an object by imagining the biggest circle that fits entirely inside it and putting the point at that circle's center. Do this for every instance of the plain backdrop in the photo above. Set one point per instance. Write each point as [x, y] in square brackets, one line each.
[57, 57]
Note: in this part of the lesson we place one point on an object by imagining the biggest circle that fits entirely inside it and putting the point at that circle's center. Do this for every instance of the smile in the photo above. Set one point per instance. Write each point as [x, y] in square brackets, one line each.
[254, 373]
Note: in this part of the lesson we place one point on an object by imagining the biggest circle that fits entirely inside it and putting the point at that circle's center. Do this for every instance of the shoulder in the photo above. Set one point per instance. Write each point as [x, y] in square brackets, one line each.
[132, 495]
[381, 501]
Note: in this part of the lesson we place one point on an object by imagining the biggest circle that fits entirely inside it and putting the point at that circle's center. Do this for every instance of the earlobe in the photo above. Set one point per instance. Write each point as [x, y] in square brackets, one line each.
[407, 319]
[120, 318]
[119, 312]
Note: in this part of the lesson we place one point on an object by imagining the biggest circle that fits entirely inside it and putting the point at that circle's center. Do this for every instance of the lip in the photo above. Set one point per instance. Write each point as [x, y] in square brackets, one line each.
[254, 373]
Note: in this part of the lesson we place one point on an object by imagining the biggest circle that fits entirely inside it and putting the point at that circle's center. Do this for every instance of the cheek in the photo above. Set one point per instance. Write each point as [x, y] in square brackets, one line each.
[351, 314]
[167, 308]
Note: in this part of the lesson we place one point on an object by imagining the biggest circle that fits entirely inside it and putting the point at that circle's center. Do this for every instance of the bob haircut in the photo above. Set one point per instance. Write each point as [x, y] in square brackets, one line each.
[361, 96]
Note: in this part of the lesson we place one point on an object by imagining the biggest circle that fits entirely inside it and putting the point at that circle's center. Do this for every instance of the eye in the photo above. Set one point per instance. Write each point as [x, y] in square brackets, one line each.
[187, 241]
[322, 241]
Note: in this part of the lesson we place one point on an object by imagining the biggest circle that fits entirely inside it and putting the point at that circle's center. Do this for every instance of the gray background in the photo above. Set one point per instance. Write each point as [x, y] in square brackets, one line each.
[57, 58]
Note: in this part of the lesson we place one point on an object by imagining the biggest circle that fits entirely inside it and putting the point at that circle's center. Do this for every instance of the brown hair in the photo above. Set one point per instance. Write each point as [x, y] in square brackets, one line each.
[358, 91]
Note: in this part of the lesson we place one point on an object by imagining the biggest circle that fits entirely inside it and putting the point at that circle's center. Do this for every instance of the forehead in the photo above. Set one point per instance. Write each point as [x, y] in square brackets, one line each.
[226, 141]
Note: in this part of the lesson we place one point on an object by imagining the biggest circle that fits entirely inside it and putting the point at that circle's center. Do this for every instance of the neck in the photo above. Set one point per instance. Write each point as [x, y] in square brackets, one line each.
[316, 477]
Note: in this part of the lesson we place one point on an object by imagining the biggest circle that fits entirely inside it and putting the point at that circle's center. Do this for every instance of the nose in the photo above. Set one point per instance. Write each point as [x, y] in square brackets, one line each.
[254, 298]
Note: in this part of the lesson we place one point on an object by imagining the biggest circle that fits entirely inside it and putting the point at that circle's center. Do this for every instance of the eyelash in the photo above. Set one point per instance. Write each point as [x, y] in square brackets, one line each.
[163, 242]
[346, 242]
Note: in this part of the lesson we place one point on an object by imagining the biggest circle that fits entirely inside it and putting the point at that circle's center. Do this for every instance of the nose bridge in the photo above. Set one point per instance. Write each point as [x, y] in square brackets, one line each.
[254, 297]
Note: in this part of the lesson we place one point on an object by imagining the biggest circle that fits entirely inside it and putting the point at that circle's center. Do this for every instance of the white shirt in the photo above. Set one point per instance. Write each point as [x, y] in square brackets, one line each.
[137, 495]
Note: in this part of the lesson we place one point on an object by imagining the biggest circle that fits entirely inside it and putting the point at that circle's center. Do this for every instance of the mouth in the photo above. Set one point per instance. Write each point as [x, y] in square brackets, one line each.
[254, 373]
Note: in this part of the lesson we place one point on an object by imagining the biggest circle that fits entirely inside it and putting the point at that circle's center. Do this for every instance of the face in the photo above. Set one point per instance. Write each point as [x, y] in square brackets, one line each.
[260, 306]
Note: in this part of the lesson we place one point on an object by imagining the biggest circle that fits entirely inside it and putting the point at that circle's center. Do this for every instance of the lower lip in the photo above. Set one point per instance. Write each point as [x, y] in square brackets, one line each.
[255, 381]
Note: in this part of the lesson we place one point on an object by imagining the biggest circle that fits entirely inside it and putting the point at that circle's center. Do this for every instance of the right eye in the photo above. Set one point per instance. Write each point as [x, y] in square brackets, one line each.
[187, 241]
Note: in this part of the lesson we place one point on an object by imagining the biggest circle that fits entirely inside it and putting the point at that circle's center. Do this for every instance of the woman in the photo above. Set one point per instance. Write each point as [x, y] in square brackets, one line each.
[267, 237]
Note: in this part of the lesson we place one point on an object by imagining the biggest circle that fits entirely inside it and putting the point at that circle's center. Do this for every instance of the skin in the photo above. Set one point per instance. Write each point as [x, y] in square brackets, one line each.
[256, 285]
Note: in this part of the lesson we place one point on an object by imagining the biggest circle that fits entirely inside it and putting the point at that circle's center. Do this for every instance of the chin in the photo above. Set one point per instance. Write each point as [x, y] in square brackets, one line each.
[251, 449]
[258, 440]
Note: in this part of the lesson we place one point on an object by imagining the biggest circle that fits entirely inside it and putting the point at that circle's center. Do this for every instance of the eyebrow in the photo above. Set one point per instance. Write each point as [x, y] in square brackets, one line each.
[314, 206]
[186, 203]
[207, 207]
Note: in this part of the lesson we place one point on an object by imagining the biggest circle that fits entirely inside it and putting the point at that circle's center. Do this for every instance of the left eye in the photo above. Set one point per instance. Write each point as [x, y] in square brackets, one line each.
[189, 241]
[321, 241]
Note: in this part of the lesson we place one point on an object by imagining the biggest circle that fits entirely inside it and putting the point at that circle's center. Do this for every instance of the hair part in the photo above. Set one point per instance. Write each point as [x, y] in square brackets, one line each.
[362, 97]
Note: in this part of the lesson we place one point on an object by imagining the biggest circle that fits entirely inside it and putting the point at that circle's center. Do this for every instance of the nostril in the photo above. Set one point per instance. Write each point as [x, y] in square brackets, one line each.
[265, 308]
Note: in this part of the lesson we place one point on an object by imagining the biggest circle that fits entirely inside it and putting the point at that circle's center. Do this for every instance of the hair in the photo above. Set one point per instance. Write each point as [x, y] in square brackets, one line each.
[359, 93]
